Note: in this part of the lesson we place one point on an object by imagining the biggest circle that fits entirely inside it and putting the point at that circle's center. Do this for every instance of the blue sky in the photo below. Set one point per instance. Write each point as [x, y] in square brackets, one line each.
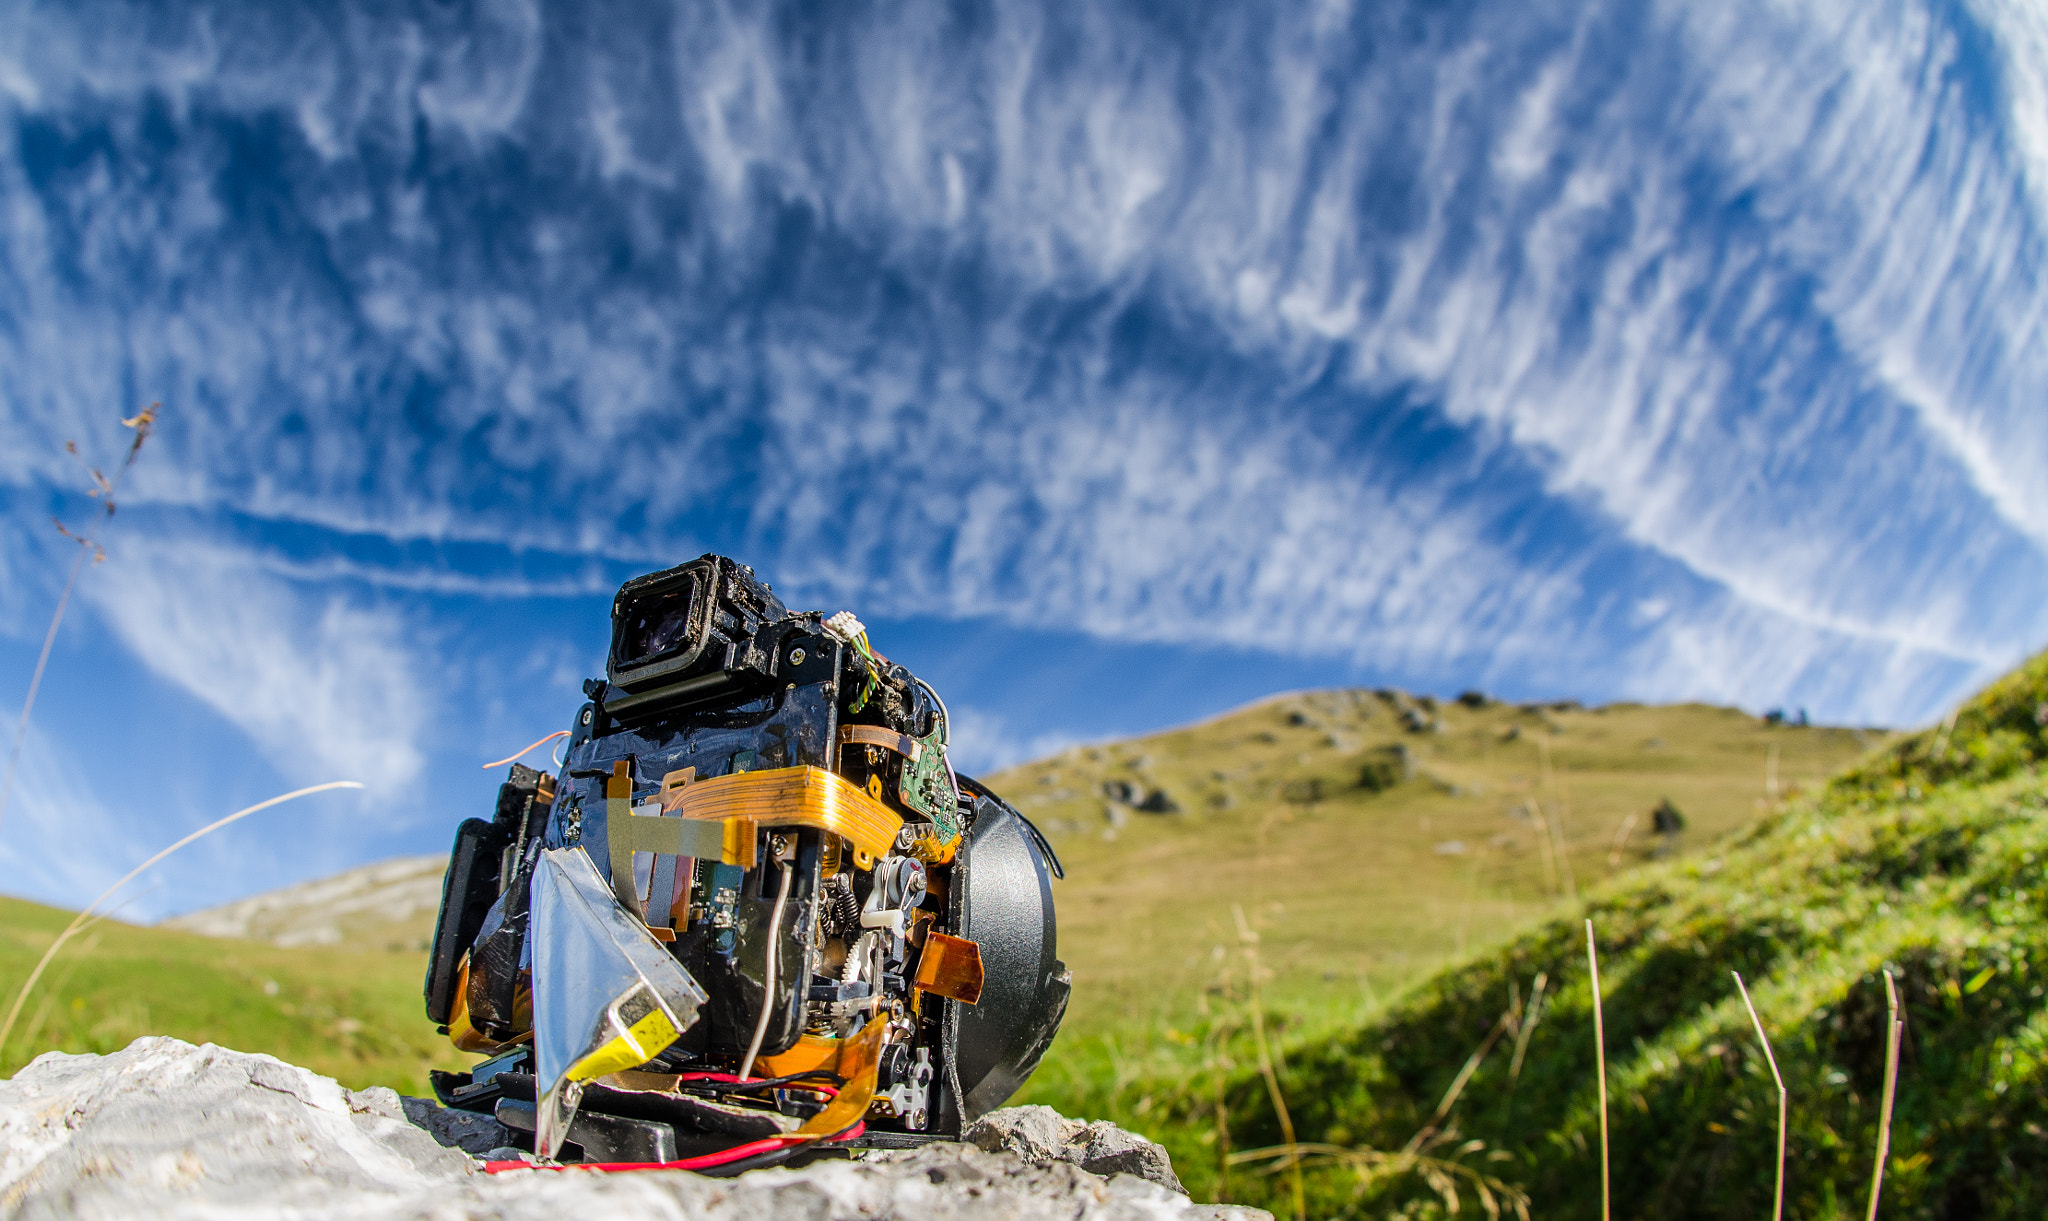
[1117, 363]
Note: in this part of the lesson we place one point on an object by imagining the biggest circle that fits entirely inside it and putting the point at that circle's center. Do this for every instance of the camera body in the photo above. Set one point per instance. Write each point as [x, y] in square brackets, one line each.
[774, 804]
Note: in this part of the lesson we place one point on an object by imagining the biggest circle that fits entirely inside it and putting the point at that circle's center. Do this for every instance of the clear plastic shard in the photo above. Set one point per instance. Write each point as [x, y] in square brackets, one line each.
[606, 995]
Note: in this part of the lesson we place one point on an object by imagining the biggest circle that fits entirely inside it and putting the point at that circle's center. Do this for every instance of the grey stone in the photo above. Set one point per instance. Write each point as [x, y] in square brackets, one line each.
[506, 1153]
[1109, 1150]
[1041, 1134]
[468, 1131]
[166, 1129]
[1036, 1134]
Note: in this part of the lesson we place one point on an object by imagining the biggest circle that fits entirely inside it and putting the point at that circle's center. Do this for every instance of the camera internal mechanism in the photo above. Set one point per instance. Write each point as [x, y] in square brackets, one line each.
[757, 917]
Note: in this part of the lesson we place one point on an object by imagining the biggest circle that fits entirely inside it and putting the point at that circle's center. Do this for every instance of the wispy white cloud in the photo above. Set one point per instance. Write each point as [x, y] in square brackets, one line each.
[1395, 334]
[61, 843]
[328, 688]
[985, 742]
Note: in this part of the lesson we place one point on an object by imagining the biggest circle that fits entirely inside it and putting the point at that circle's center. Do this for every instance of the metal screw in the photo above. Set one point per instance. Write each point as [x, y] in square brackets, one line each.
[796, 657]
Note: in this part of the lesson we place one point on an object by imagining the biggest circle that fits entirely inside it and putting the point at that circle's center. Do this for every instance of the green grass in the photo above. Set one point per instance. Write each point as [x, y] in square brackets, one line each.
[352, 1015]
[1343, 880]
[1927, 860]
[1345, 886]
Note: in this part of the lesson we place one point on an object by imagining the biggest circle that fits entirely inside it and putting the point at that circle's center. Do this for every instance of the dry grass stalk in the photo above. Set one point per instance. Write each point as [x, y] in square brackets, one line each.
[1219, 1075]
[1546, 846]
[35, 682]
[1621, 836]
[1527, 1026]
[1423, 1135]
[1562, 787]
[1600, 1062]
[559, 733]
[103, 490]
[85, 918]
[1894, 1027]
[1778, 1197]
[1249, 939]
[1442, 1174]
[1553, 824]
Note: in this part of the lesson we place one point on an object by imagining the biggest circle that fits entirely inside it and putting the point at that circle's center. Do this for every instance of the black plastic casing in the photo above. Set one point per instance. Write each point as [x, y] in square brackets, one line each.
[1002, 900]
[731, 642]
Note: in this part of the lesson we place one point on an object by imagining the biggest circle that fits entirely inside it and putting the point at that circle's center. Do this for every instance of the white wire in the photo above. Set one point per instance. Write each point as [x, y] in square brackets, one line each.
[946, 755]
[768, 990]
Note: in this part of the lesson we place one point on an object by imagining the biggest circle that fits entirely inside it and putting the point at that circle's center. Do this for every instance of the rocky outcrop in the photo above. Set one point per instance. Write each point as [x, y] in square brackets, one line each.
[1042, 1135]
[166, 1129]
[387, 903]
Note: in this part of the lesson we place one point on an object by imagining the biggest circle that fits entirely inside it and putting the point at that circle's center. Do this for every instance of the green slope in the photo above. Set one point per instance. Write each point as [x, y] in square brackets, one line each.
[1347, 886]
[353, 1015]
[1927, 860]
[1352, 889]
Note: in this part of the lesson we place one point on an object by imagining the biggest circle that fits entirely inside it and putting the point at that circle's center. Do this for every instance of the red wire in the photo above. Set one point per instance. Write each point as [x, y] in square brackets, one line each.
[705, 1162]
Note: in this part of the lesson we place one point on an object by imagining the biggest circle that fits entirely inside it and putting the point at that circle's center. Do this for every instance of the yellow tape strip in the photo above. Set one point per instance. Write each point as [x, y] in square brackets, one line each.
[720, 817]
[642, 1041]
[794, 797]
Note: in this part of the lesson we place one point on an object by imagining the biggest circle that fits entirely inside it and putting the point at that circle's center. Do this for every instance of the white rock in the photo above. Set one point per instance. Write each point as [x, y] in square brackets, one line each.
[1041, 1134]
[166, 1129]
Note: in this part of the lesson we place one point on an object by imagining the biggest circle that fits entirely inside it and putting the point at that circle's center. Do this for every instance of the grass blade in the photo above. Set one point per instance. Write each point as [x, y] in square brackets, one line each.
[559, 733]
[79, 921]
[1894, 1026]
[143, 423]
[1526, 1027]
[35, 682]
[1249, 940]
[1778, 1198]
[1600, 1060]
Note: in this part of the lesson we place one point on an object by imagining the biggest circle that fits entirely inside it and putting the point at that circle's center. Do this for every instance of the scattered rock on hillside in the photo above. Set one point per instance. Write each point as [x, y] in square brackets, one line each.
[1041, 1134]
[385, 903]
[1139, 797]
[1386, 767]
[166, 1129]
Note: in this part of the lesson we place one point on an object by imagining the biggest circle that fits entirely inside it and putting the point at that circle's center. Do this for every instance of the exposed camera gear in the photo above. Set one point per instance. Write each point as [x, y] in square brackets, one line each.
[757, 915]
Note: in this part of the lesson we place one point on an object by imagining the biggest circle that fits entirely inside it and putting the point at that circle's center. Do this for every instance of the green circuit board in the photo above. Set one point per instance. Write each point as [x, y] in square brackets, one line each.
[927, 784]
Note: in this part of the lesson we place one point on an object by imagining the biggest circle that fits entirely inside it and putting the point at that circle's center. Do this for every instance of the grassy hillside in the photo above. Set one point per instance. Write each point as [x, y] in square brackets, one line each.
[1366, 840]
[1927, 860]
[351, 1014]
[390, 904]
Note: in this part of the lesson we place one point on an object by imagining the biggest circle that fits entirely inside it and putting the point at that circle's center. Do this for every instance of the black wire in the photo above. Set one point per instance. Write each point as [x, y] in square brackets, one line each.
[762, 1083]
[1037, 836]
[775, 1157]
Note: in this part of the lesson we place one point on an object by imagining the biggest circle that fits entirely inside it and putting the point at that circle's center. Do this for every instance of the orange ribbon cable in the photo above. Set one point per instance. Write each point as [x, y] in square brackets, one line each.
[794, 797]
[718, 818]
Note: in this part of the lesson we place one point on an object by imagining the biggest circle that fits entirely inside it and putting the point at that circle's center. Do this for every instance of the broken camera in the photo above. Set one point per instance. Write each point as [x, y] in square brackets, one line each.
[757, 916]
